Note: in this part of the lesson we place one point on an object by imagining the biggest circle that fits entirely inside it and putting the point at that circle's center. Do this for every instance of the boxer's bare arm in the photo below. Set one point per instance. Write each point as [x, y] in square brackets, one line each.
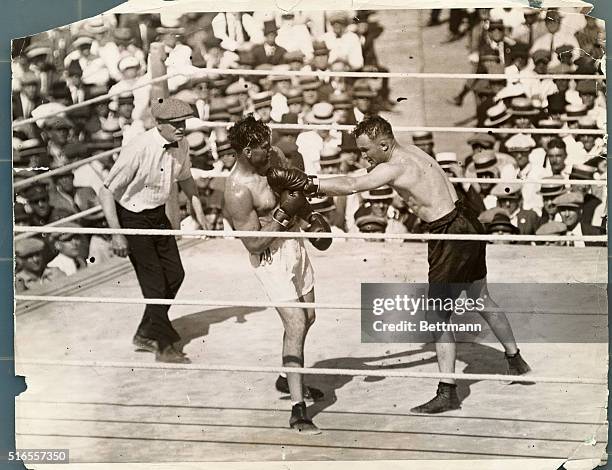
[241, 210]
[384, 173]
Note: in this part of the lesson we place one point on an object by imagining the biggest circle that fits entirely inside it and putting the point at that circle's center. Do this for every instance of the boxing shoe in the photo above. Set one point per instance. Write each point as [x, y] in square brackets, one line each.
[144, 344]
[517, 366]
[310, 393]
[300, 421]
[171, 355]
[446, 399]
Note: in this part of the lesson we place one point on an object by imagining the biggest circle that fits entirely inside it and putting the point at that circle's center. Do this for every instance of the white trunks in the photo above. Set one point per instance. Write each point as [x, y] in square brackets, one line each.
[284, 270]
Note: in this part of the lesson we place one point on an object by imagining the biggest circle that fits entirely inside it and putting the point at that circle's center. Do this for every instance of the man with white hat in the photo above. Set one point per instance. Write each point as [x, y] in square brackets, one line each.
[131, 77]
[520, 146]
[311, 143]
[342, 43]
[93, 67]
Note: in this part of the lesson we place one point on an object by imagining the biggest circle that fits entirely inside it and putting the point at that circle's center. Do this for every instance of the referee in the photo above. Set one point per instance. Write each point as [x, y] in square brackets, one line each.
[134, 196]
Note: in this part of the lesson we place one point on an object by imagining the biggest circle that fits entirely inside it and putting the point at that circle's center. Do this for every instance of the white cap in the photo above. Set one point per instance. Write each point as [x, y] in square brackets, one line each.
[520, 142]
[127, 62]
[446, 157]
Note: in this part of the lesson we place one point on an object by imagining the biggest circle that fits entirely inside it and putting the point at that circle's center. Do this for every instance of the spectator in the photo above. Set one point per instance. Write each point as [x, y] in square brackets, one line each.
[496, 43]
[368, 32]
[556, 157]
[523, 113]
[68, 246]
[501, 225]
[310, 94]
[509, 198]
[592, 144]
[527, 31]
[234, 108]
[74, 82]
[343, 108]
[320, 57]
[553, 228]
[569, 206]
[269, 52]
[554, 37]
[478, 142]
[40, 62]
[21, 217]
[424, 141]
[67, 199]
[484, 165]
[286, 135]
[342, 43]
[540, 89]
[311, 143]
[363, 98]
[519, 147]
[281, 84]
[591, 203]
[122, 45]
[37, 197]
[370, 220]
[31, 154]
[548, 192]
[588, 91]
[295, 60]
[28, 99]
[262, 104]
[30, 269]
[294, 36]
[93, 67]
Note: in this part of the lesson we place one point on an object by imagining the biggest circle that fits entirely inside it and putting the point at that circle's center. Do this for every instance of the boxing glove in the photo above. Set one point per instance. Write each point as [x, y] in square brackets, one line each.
[318, 224]
[292, 179]
[291, 204]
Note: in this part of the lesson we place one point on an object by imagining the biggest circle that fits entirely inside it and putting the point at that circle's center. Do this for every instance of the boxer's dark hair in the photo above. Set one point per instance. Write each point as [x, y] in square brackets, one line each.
[248, 132]
[373, 127]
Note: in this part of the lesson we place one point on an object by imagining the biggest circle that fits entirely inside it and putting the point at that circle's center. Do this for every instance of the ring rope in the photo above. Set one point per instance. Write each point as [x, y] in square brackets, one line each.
[313, 371]
[64, 169]
[453, 129]
[59, 222]
[305, 73]
[256, 303]
[353, 235]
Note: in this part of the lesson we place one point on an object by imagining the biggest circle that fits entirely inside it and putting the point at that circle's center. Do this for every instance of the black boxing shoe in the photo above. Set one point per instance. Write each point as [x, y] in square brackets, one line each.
[517, 366]
[300, 421]
[144, 344]
[310, 393]
[446, 399]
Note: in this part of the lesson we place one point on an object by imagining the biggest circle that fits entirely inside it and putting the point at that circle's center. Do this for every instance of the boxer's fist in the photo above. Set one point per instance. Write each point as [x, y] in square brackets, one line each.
[294, 203]
[292, 179]
[318, 224]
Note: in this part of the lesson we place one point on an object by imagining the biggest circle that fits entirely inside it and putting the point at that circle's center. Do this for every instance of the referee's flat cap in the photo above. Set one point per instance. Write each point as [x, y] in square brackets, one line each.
[171, 109]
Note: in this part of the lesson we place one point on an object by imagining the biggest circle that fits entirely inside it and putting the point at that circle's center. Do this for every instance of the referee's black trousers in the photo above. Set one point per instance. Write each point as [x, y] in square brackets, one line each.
[158, 267]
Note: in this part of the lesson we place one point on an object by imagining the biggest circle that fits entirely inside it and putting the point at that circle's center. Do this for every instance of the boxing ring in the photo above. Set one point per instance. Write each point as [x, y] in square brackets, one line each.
[89, 391]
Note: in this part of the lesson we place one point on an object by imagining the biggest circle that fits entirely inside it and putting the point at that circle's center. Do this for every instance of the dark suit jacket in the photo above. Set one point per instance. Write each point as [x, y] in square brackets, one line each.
[17, 107]
[527, 222]
[367, 48]
[260, 57]
[588, 229]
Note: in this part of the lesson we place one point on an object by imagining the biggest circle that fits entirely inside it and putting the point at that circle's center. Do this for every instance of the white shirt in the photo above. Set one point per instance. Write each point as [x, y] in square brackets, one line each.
[346, 47]
[295, 38]
[64, 263]
[279, 107]
[578, 233]
[144, 173]
[310, 144]
[560, 38]
[141, 95]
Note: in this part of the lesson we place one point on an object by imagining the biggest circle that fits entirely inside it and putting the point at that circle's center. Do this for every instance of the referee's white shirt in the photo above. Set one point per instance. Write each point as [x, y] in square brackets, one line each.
[144, 172]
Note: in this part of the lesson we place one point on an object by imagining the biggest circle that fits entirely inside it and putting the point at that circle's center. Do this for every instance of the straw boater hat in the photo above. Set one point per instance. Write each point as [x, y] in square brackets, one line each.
[322, 204]
[321, 113]
[553, 188]
[501, 223]
[447, 159]
[497, 114]
[330, 156]
[379, 194]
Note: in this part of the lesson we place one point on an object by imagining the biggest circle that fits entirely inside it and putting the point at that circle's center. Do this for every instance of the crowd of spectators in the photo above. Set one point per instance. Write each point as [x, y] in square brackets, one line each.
[524, 44]
[109, 54]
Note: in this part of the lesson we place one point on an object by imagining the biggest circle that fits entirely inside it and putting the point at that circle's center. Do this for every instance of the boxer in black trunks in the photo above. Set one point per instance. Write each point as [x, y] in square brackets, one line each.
[454, 266]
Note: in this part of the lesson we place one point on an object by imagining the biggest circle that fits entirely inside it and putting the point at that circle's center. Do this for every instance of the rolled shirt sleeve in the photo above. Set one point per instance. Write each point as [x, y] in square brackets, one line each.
[123, 171]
